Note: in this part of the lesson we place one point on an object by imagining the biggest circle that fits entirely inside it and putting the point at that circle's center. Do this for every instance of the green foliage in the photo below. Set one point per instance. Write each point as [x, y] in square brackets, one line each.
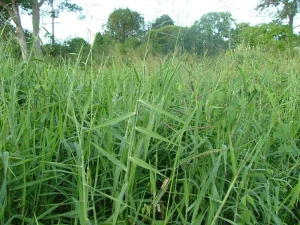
[272, 35]
[67, 5]
[33, 8]
[75, 44]
[98, 40]
[129, 45]
[124, 23]
[103, 45]
[8, 39]
[55, 50]
[67, 48]
[8, 43]
[165, 39]
[63, 5]
[210, 34]
[6, 31]
[4, 16]
[281, 9]
[162, 21]
[188, 141]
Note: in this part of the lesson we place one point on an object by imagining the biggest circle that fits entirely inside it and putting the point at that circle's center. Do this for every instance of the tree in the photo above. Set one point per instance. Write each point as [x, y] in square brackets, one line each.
[162, 21]
[103, 43]
[32, 7]
[124, 23]
[12, 8]
[74, 45]
[272, 35]
[211, 34]
[98, 40]
[284, 9]
[167, 38]
[56, 9]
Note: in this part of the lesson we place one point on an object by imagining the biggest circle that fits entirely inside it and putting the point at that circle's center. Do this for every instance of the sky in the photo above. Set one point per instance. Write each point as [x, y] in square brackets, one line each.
[183, 12]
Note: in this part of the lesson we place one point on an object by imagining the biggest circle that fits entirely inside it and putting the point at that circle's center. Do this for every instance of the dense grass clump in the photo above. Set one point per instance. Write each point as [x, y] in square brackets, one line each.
[174, 141]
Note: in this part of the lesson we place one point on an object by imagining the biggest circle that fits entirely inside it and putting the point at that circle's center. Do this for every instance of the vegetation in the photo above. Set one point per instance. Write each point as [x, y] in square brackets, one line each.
[171, 125]
[162, 21]
[281, 9]
[124, 23]
[11, 9]
[211, 34]
[184, 141]
[272, 36]
[167, 39]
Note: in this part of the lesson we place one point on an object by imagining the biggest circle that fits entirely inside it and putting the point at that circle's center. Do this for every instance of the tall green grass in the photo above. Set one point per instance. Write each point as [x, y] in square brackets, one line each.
[180, 141]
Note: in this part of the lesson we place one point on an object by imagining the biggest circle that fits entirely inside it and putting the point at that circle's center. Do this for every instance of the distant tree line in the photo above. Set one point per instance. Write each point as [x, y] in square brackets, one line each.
[126, 30]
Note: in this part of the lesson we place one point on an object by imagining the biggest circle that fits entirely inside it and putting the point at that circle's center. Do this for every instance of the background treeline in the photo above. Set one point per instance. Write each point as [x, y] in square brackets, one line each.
[126, 31]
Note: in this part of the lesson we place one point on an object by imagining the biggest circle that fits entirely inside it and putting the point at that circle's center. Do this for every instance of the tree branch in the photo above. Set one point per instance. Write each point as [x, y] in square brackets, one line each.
[41, 3]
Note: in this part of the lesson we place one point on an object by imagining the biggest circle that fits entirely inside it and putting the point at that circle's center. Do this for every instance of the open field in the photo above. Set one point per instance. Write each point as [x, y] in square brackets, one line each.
[176, 141]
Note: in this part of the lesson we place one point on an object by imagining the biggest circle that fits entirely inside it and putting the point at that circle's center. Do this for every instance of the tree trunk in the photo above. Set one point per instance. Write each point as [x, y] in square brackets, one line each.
[36, 29]
[292, 11]
[14, 14]
[291, 20]
[52, 18]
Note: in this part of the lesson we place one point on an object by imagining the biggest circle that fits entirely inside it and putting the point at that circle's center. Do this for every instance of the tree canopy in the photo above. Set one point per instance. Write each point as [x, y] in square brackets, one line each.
[280, 9]
[272, 35]
[211, 33]
[167, 38]
[162, 21]
[124, 23]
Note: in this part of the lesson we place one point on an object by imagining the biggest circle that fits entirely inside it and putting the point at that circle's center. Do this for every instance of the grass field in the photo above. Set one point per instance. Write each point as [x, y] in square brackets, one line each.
[157, 141]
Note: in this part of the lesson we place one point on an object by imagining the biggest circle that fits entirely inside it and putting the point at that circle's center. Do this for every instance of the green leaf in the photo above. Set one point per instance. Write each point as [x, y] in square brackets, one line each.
[33, 183]
[145, 165]
[5, 156]
[114, 121]
[160, 110]
[153, 134]
[111, 158]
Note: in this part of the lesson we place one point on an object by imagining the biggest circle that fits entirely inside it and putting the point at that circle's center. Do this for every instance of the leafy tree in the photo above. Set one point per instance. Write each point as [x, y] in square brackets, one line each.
[284, 9]
[56, 49]
[98, 40]
[102, 43]
[210, 34]
[124, 23]
[75, 44]
[272, 35]
[162, 21]
[32, 7]
[167, 38]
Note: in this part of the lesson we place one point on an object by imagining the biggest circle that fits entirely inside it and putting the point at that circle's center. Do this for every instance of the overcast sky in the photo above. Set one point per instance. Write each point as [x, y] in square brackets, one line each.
[183, 12]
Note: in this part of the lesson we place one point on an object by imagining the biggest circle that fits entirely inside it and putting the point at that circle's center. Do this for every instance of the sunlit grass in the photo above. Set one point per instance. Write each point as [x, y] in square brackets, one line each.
[174, 141]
